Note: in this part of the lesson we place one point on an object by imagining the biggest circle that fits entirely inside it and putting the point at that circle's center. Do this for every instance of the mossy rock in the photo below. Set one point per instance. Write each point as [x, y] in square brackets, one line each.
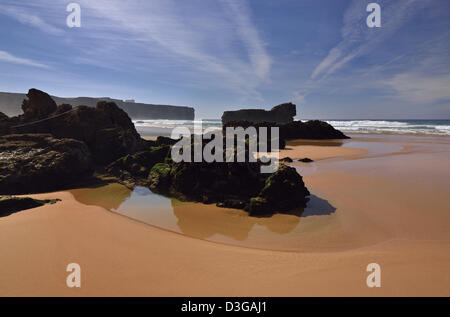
[233, 203]
[259, 206]
[285, 189]
[139, 164]
[160, 152]
[159, 177]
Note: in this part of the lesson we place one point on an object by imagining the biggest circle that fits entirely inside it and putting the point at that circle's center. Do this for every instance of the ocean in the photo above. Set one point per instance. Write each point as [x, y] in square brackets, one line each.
[418, 127]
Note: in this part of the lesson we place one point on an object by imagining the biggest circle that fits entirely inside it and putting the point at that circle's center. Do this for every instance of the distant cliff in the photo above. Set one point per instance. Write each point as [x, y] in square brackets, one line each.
[280, 114]
[10, 104]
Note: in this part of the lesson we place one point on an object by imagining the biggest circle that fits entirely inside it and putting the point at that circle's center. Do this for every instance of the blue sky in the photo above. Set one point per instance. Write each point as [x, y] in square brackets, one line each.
[217, 55]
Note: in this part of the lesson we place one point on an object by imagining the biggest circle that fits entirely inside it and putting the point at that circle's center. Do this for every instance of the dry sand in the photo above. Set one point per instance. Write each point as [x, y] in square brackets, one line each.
[391, 199]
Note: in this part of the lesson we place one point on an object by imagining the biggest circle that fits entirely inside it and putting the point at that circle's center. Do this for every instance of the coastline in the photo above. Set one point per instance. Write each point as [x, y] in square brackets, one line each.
[379, 218]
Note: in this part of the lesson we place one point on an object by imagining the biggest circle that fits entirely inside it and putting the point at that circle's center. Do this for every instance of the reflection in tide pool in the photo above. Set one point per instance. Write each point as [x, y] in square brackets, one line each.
[281, 231]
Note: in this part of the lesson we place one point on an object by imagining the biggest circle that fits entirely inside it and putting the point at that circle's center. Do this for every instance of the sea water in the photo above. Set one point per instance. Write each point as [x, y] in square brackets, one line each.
[419, 127]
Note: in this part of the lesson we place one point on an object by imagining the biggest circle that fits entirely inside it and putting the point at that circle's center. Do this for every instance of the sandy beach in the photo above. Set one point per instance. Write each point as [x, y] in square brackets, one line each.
[389, 204]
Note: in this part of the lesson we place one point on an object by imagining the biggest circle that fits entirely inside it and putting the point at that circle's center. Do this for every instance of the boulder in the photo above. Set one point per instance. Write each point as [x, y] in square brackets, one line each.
[38, 105]
[313, 129]
[286, 160]
[207, 182]
[280, 114]
[32, 163]
[283, 191]
[268, 125]
[159, 176]
[140, 163]
[231, 185]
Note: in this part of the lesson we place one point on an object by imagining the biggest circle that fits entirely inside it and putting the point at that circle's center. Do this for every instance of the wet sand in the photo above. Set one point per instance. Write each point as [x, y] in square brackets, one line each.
[318, 150]
[390, 195]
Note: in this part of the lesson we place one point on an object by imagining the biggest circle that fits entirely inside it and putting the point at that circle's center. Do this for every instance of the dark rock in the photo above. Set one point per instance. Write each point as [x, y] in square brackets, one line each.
[284, 190]
[286, 160]
[163, 140]
[306, 160]
[3, 117]
[208, 182]
[140, 163]
[38, 105]
[232, 203]
[314, 129]
[9, 204]
[38, 162]
[4, 124]
[280, 114]
[63, 108]
[160, 176]
[268, 125]
[106, 129]
[231, 185]
[259, 206]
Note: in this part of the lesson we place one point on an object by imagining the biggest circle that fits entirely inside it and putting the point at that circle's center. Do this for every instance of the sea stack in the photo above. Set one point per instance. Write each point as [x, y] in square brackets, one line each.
[280, 114]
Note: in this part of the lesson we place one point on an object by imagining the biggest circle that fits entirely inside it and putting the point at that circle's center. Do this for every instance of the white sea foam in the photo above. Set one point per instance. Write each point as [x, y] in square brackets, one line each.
[432, 127]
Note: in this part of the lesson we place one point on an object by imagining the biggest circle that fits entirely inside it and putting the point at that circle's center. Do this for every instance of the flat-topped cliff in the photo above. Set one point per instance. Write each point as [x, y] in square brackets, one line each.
[10, 104]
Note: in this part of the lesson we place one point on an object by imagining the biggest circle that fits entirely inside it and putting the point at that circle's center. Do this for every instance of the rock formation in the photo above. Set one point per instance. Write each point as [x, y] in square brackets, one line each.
[39, 105]
[231, 185]
[305, 160]
[286, 160]
[106, 129]
[235, 185]
[50, 146]
[289, 129]
[31, 163]
[313, 129]
[280, 114]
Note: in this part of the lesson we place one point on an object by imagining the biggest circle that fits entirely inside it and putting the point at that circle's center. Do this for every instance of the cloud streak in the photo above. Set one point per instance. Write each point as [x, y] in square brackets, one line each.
[358, 39]
[9, 58]
[206, 44]
[25, 17]
[417, 88]
[210, 43]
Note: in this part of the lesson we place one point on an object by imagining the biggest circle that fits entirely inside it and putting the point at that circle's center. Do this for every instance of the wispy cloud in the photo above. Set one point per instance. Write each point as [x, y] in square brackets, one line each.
[358, 39]
[219, 44]
[9, 58]
[29, 18]
[417, 88]
[259, 58]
